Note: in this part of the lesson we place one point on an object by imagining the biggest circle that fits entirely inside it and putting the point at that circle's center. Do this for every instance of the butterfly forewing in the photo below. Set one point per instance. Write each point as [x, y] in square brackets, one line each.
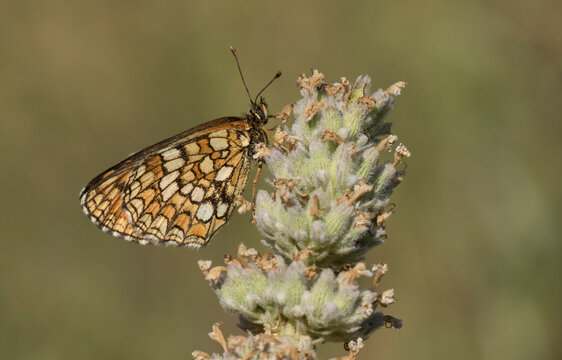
[177, 192]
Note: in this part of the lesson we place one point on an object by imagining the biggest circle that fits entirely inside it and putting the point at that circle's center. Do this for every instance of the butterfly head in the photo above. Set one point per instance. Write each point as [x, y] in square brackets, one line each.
[259, 111]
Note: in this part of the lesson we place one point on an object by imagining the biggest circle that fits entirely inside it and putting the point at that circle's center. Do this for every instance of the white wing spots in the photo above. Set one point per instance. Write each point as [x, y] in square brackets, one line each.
[145, 221]
[168, 179]
[174, 164]
[140, 171]
[224, 173]
[187, 189]
[176, 235]
[169, 191]
[160, 224]
[206, 165]
[191, 148]
[197, 194]
[195, 158]
[218, 143]
[135, 189]
[244, 140]
[138, 204]
[221, 133]
[221, 209]
[171, 154]
[205, 212]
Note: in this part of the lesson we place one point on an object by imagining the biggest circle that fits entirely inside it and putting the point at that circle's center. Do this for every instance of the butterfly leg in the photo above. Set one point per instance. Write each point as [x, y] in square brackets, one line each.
[275, 141]
[254, 193]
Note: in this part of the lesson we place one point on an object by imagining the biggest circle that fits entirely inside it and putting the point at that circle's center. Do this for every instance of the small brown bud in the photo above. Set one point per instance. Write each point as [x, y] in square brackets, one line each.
[312, 109]
[217, 335]
[285, 113]
[369, 101]
[329, 135]
[395, 88]
[314, 208]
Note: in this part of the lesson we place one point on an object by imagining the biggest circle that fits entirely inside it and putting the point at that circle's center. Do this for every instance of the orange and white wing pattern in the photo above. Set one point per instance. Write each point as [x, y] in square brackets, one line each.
[177, 192]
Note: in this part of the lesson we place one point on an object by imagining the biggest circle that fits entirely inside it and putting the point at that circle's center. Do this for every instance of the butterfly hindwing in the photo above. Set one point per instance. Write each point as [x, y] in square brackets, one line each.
[176, 192]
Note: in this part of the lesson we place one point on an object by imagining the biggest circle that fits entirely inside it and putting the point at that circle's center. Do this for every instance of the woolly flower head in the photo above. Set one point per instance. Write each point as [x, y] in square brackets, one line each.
[331, 189]
[329, 204]
[293, 300]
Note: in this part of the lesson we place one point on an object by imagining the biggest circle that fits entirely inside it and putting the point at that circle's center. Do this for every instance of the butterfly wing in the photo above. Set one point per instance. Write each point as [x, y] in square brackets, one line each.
[177, 192]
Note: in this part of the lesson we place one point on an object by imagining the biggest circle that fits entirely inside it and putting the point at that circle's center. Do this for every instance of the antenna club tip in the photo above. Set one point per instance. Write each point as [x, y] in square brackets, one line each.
[279, 73]
[233, 49]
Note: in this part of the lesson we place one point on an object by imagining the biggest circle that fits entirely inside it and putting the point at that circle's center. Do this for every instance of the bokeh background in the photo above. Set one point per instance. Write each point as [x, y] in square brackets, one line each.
[474, 247]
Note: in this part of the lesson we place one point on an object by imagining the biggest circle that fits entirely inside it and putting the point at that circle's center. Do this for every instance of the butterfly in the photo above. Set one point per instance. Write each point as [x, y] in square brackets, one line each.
[181, 190]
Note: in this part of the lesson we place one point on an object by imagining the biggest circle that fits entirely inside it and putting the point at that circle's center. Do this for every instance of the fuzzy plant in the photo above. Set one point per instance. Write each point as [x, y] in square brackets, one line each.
[329, 201]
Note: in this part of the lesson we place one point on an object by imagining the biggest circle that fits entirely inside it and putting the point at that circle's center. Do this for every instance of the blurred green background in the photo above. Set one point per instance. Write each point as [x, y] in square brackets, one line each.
[474, 247]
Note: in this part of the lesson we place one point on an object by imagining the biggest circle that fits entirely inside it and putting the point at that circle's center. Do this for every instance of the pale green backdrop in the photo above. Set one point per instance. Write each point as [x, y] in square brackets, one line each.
[474, 247]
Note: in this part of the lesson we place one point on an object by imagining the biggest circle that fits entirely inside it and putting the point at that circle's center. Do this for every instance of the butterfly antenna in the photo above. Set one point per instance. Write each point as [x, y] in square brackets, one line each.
[277, 75]
[233, 50]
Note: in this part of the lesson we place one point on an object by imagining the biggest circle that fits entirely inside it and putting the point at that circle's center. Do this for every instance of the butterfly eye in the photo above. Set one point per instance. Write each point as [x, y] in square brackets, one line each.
[256, 113]
[259, 111]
